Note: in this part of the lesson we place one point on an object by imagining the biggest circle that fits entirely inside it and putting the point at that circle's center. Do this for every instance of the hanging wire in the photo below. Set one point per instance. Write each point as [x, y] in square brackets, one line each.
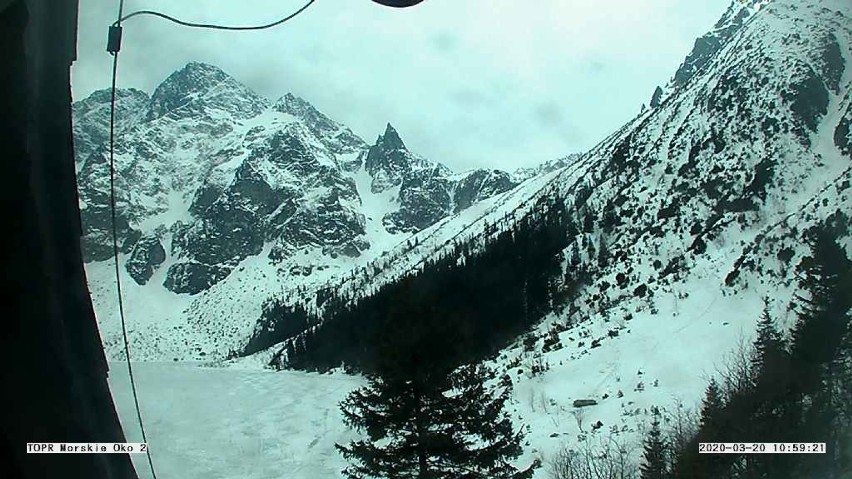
[213, 26]
[114, 46]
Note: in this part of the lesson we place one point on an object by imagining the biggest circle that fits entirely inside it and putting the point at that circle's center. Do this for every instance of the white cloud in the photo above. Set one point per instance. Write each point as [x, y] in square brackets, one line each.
[500, 83]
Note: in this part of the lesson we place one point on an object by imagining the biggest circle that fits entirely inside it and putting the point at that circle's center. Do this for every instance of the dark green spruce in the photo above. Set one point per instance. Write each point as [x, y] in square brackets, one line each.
[432, 426]
[655, 463]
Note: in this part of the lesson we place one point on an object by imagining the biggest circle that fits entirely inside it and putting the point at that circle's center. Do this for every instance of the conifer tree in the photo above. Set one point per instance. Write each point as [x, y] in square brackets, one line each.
[603, 252]
[769, 350]
[774, 402]
[588, 222]
[655, 464]
[446, 426]
[841, 390]
[575, 255]
[712, 408]
[290, 348]
[825, 277]
[714, 427]
[769, 409]
[841, 384]
[571, 227]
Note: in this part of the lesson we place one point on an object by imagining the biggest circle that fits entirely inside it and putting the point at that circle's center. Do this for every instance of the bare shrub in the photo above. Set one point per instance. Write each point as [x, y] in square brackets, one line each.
[682, 427]
[736, 372]
[609, 458]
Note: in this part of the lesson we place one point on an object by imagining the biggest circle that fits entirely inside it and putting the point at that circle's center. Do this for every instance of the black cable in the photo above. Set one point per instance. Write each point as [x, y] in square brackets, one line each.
[114, 46]
[114, 50]
[213, 26]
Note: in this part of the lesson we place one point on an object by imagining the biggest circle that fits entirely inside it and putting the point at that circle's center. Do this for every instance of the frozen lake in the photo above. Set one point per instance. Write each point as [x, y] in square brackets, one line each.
[218, 423]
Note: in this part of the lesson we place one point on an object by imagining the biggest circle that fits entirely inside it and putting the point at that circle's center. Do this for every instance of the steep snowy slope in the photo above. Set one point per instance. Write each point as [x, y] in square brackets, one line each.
[708, 45]
[750, 144]
[679, 224]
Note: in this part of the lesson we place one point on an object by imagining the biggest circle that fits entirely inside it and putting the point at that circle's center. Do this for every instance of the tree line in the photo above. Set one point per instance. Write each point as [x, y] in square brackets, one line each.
[478, 300]
[788, 388]
[784, 387]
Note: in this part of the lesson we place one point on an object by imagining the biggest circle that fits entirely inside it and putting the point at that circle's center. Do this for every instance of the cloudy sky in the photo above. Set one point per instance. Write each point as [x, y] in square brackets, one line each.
[470, 83]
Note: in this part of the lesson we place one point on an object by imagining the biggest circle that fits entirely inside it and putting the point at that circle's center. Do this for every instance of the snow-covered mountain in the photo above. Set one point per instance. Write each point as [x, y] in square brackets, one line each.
[225, 198]
[669, 234]
[708, 45]
[757, 141]
[673, 230]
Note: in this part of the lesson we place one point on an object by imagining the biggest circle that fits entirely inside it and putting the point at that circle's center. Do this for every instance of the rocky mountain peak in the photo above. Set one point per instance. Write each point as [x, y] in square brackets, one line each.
[707, 45]
[388, 161]
[185, 92]
[390, 140]
[104, 96]
[336, 137]
[296, 106]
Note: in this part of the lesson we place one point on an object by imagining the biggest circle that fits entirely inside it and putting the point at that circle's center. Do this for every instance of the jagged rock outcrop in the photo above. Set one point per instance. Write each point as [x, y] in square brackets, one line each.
[91, 117]
[522, 174]
[336, 137]
[147, 255]
[388, 161]
[424, 199]
[708, 45]
[657, 97]
[479, 185]
[428, 191]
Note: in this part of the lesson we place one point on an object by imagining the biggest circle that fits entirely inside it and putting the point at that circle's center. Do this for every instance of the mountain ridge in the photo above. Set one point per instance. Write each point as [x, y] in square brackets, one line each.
[210, 174]
[752, 136]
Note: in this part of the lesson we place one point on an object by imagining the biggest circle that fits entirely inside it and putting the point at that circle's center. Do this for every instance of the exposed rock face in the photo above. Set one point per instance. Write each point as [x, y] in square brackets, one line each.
[197, 90]
[424, 199]
[286, 191]
[657, 97]
[428, 191]
[336, 137]
[709, 44]
[227, 175]
[91, 117]
[160, 154]
[237, 175]
[522, 174]
[479, 185]
[193, 278]
[388, 161]
[147, 255]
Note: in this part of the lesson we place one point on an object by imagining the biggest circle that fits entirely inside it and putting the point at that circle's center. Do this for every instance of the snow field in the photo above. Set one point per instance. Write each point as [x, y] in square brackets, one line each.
[222, 423]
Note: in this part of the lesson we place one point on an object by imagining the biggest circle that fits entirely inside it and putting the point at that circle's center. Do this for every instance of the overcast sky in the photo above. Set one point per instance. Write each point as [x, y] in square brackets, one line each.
[470, 83]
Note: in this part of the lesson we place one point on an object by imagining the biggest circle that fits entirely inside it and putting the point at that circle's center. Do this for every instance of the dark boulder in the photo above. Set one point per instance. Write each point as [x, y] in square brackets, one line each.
[585, 402]
[193, 277]
[147, 255]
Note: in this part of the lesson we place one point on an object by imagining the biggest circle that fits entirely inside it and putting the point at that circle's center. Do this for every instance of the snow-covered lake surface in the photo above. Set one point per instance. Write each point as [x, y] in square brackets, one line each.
[222, 423]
